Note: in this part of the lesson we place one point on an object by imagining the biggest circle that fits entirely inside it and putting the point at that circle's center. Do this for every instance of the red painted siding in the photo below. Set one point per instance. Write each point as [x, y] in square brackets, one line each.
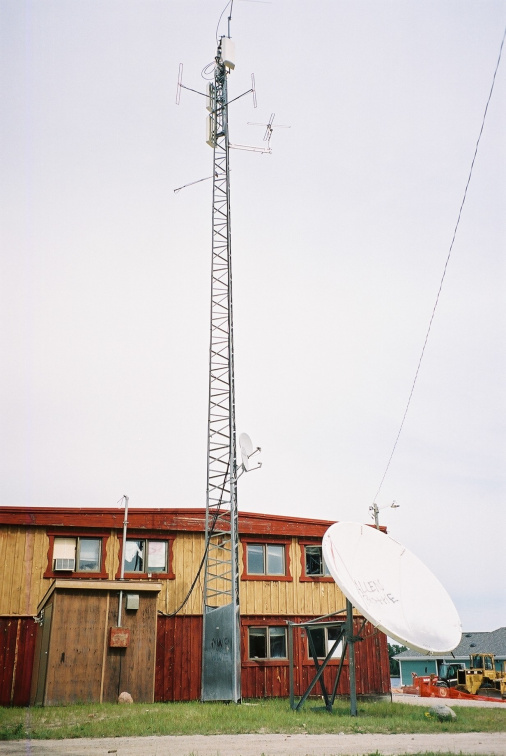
[264, 679]
[17, 646]
[179, 657]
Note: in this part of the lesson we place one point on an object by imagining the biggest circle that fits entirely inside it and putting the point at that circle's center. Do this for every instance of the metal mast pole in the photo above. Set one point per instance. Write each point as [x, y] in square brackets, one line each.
[221, 650]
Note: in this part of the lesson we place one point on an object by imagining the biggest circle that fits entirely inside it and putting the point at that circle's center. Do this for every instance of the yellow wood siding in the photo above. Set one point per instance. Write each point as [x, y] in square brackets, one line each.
[188, 550]
[112, 555]
[290, 597]
[23, 560]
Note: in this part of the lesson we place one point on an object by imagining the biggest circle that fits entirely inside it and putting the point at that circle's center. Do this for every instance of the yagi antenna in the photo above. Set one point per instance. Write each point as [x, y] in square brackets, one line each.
[269, 128]
[225, 48]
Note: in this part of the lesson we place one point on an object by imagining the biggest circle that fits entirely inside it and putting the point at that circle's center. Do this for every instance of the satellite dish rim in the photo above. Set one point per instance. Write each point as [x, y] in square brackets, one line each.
[343, 543]
[246, 447]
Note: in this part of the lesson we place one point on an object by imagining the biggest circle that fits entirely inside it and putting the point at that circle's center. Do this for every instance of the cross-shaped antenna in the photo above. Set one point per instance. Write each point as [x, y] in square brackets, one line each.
[269, 128]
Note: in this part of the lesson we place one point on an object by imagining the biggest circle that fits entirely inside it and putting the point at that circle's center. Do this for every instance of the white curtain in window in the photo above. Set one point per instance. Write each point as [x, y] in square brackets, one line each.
[131, 551]
[64, 548]
[156, 554]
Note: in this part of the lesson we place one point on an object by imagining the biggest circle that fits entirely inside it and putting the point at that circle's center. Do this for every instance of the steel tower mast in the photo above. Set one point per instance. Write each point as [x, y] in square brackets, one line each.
[221, 651]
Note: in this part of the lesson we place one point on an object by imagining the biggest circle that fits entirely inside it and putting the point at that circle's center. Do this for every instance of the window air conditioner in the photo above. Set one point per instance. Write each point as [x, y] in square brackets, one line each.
[64, 564]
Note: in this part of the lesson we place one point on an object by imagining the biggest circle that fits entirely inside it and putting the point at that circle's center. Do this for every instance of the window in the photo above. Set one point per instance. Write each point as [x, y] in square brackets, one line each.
[267, 643]
[77, 554]
[265, 559]
[323, 639]
[71, 555]
[145, 556]
[481, 662]
[313, 567]
[315, 563]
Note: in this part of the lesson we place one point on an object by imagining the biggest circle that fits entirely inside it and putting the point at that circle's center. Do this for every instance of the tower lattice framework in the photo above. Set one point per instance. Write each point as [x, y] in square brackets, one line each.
[221, 656]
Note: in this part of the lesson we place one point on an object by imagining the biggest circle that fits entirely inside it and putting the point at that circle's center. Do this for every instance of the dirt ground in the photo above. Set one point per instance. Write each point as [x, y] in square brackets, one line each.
[484, 744]
[452, 702]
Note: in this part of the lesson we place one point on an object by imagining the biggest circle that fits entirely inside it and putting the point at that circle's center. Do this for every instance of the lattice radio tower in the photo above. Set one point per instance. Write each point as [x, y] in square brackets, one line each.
[221, 650]
[221, 646]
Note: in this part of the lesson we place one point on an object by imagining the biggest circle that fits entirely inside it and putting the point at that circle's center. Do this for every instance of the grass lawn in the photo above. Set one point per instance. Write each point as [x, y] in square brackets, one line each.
[262, 716]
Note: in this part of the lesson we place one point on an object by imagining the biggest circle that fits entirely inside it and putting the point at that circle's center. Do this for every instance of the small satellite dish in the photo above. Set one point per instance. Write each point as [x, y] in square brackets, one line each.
[246, 446]
[391, 587]
[247, 451]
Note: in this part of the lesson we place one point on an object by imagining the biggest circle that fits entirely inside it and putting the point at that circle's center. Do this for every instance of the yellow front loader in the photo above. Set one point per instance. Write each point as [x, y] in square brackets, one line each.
[482, 679]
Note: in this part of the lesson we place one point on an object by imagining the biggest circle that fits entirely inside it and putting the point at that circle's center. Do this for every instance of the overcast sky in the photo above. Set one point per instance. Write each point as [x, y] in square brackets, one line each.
[339, 243]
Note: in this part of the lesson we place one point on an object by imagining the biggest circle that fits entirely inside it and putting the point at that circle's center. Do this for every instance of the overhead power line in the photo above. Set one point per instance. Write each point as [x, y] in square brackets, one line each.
[444, 269]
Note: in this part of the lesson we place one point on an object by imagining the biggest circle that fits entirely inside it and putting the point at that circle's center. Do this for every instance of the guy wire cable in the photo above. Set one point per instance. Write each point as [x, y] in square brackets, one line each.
[444, 269]
[199, 571]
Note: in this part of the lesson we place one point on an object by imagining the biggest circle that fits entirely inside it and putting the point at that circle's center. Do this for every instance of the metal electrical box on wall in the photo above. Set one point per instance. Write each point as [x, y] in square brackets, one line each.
[132, 601]
[119, 637]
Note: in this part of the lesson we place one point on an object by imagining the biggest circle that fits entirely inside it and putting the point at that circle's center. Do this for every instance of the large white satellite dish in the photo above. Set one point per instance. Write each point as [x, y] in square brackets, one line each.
[391, 587]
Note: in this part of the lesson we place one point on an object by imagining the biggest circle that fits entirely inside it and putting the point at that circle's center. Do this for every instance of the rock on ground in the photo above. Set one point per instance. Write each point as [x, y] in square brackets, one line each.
[442, 712]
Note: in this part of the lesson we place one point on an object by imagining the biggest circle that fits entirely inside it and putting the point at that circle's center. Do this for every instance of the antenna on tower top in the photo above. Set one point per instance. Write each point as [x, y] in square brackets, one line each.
[229, 19]
[269, 128]
[230, 16]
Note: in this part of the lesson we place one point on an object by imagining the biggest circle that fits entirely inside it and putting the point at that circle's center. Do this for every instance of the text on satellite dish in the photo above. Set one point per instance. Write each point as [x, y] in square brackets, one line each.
[373, 592]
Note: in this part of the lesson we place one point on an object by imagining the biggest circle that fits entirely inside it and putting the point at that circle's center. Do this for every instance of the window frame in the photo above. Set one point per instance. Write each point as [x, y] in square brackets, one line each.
[287, 577]
[248, 623]
[325, 628]
[169, 538]
[267, 658]
[100, 535]
[304, 577]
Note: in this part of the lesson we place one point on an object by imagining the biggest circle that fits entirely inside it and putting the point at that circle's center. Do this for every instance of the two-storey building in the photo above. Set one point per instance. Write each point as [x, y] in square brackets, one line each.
[66, 563]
